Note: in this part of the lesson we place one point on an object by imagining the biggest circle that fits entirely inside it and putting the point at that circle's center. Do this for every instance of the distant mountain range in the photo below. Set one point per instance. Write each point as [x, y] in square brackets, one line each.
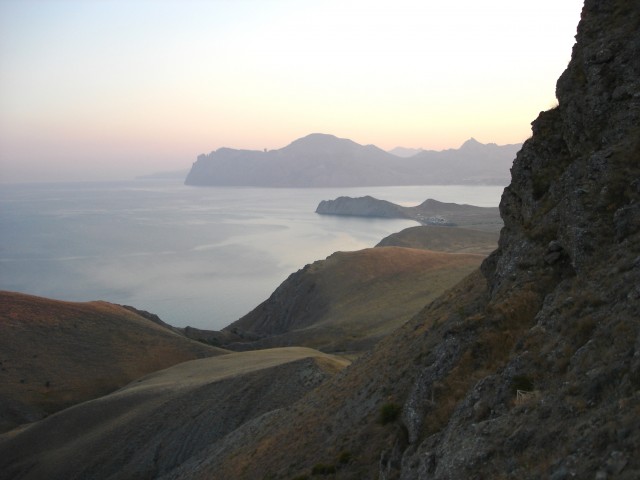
[320, 160]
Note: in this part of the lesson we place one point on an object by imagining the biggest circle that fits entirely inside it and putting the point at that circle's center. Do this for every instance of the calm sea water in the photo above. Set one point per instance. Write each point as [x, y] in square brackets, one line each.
[195, 256]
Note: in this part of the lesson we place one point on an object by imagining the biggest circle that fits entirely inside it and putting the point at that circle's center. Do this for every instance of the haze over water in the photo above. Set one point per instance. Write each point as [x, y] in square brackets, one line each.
[194, 256]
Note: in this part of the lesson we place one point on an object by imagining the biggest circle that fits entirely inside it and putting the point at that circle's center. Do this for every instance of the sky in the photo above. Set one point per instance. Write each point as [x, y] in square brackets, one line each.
[111, 89]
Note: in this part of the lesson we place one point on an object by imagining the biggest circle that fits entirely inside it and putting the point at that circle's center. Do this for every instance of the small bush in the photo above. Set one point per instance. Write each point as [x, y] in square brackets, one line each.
[344, 457]
[389, 412]
[522, 383]
[322, 469]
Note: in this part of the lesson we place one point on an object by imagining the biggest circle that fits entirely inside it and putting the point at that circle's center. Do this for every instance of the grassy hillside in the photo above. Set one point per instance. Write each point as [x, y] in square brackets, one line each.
[160, 421]
[350, 300]
[341, 424]
[54, 354]
[444, 239]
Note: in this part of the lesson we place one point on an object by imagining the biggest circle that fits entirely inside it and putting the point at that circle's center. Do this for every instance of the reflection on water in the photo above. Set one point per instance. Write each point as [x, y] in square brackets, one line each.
[194, 256]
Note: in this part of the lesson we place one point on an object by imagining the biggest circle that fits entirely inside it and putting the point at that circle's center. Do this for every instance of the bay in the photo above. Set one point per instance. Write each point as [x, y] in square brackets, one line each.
[194, 256]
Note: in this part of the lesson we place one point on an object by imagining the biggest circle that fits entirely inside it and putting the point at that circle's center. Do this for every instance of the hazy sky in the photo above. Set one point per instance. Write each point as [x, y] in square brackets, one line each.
[109, 89]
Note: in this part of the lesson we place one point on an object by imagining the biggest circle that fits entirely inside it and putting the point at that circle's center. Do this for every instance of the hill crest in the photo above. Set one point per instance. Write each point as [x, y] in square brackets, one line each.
[56, 353]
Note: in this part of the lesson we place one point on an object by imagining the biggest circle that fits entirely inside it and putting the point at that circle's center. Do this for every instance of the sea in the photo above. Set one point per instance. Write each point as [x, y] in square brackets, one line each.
[195, 256]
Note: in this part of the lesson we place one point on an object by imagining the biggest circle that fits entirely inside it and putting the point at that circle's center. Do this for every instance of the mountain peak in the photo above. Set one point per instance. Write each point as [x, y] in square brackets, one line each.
[315, 139]
[471, 143]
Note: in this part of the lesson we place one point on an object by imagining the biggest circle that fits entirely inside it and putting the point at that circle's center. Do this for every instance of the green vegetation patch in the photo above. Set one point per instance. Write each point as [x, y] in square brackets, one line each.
[389, 412]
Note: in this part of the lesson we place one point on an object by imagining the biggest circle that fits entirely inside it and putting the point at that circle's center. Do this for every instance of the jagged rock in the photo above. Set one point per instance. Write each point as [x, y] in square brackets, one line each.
[554, 252]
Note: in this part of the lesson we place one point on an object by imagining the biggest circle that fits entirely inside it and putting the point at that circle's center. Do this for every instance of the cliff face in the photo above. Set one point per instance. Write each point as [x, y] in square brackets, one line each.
[576, 181]
[564, 287]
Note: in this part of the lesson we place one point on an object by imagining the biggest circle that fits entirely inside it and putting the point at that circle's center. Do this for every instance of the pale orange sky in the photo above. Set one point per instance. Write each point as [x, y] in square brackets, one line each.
[96, 89]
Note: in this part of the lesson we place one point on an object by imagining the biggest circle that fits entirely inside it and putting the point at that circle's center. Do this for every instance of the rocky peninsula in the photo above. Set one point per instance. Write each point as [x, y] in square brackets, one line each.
[430, 212]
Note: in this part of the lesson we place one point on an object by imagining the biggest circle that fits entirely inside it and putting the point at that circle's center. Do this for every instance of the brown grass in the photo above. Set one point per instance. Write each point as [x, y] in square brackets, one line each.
[352, 299]
[444, 239]
[55, 354]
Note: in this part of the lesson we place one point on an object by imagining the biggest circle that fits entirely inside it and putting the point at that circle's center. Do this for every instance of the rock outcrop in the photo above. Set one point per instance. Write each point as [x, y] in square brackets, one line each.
[562, 401]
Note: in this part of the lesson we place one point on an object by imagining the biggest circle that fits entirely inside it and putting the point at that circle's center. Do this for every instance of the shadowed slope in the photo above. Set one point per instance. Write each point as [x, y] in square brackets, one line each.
[342, 417]
[55, 354]
[162, 420]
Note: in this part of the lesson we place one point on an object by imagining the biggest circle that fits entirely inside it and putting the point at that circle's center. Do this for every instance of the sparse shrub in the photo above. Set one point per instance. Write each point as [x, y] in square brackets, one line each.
[521, 382]
[584, 328]
[322, 469]
[301, 477]
[540, 186]
[389, 412]
[344, 457]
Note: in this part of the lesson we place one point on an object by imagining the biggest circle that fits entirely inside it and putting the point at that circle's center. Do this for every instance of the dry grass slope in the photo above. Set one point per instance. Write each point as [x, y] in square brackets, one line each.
[160, 421]
[342, 416]
[54, 354]
[444, 239]
[352, 299]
